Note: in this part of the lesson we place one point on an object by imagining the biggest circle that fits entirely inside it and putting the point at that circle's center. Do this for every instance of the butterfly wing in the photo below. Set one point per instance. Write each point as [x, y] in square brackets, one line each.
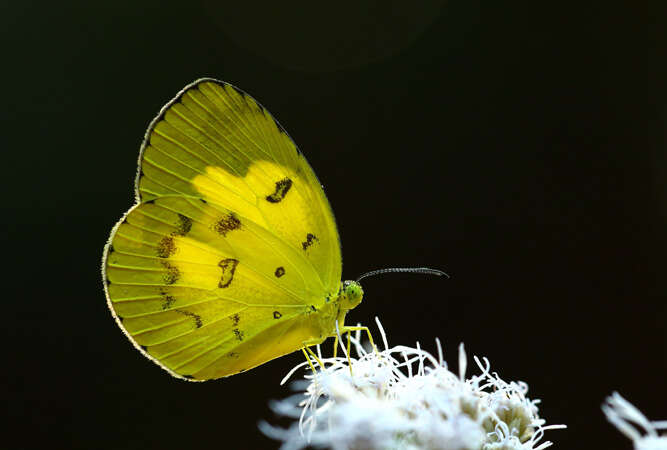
[232, 243]
[215, 141]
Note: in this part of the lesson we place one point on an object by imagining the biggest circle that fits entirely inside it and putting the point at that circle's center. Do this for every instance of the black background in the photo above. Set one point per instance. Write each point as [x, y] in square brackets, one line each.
[519, 146]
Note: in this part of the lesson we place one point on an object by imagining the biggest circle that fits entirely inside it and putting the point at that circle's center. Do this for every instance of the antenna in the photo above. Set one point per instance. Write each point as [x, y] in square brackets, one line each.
[425, 270]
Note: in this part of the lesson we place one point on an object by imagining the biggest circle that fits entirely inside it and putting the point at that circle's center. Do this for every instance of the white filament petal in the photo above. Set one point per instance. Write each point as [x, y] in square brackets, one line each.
[631, 422]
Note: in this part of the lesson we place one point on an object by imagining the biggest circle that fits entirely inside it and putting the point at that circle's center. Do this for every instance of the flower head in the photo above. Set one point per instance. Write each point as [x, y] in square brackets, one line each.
[406, 398]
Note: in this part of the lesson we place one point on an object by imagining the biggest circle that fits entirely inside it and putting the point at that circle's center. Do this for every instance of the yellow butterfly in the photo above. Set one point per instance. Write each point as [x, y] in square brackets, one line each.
[230, 256]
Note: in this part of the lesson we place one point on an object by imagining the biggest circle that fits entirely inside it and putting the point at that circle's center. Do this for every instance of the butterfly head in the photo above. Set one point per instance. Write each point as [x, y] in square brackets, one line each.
[351, 294]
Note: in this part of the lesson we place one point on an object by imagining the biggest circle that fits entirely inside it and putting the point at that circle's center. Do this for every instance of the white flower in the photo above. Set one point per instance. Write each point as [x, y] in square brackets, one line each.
[405, 398]
[622, 414]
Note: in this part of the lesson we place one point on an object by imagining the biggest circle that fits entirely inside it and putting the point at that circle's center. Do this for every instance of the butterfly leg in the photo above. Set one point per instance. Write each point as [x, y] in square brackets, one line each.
[348, 353]
[335, 352]
[348, 330]
[314, 355]
[310, 363]
[349, 362]
[340, 330]
[306, 349]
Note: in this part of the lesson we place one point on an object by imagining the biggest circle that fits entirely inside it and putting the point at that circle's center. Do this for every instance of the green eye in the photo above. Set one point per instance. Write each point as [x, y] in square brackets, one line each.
[352, 294]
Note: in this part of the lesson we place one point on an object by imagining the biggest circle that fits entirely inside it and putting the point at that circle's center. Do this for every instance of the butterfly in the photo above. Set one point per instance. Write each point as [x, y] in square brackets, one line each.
[230, 256]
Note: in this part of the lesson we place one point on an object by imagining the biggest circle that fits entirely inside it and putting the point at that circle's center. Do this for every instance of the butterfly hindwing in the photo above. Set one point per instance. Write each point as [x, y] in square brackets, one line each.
[190, 282]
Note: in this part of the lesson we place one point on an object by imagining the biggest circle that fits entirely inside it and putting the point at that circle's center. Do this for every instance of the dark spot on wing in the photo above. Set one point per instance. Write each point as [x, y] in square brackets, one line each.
[144, 348]
[228, 267]
[168, 300]
[107, 281]
[232, 355]
[280, 271]
[235, 319]
[184, 225]
[189, 377]
[172, 275]
[120, 317]
[310, 239]
[111, 249]
[204, 201]
[195, 317]
[124, 220]
[327, 299]
[282, 187]
[226, 224]
[150, 202]
[277, 315]
[312, 308]
[238, 333]
[166, 247]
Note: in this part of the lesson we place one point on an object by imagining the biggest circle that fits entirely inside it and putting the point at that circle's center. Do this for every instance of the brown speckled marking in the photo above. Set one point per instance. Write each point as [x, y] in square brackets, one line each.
[172, 275]
[238, 333]
[168, 301]
[184, 225]
[235, 319]
[228, 267]
[282, 187]
[277, 315]
[166, 247]
[310, 239]
[226, 224]
[195, 317]
[280, 271]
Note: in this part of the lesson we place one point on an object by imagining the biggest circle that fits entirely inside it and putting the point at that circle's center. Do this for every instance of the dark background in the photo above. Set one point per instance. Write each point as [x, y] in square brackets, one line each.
[519, 146]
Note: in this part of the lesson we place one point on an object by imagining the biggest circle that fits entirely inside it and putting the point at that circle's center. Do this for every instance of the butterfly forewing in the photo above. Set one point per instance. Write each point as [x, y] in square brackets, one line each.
[217, 142]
